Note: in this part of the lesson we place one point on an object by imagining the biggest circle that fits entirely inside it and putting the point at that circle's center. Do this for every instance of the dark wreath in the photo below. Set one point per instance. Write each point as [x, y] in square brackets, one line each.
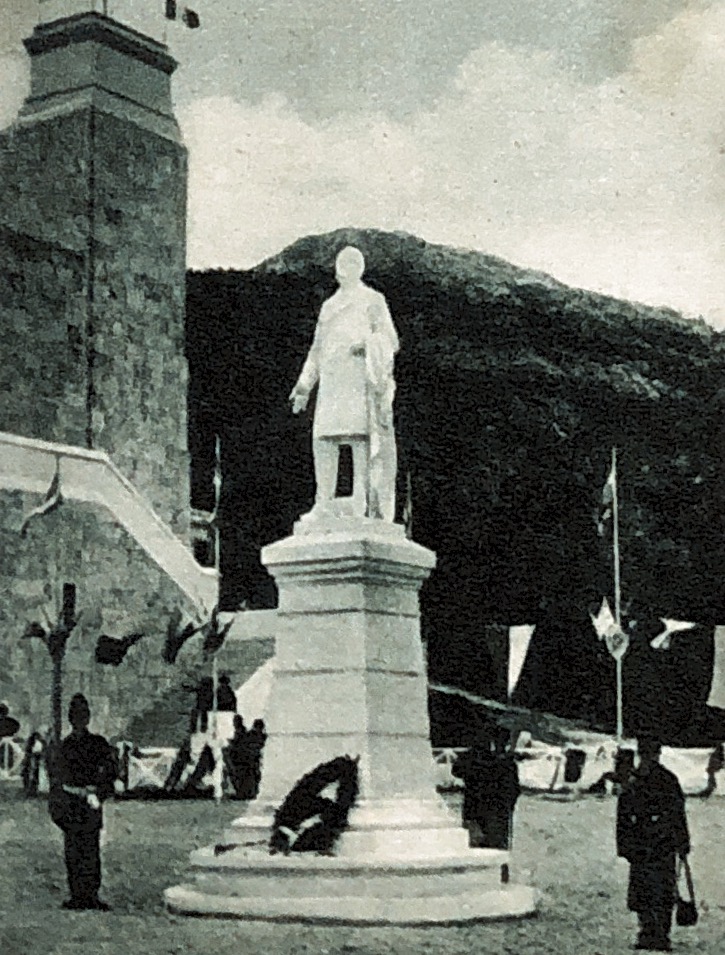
[309, 822]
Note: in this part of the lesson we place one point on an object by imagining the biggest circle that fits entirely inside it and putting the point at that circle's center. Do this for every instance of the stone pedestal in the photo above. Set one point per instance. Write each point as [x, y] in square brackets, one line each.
[350, 679]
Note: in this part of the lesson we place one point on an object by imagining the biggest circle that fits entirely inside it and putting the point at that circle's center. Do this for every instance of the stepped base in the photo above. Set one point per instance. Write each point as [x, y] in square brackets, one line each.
[251, 884]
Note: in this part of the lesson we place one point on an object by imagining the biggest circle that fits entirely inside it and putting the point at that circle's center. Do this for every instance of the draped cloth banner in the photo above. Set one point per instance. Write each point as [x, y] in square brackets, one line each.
[519, 640]
[717, 690]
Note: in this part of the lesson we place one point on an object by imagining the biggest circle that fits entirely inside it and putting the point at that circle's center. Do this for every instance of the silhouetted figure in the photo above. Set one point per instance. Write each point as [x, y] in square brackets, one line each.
[204, 703]
[226, 700]
[204, 766]
[714, 764]
[651, 833]
[124, 765]
[238, 760]
[257, 738]
[574, 760]
[86, 770]
[491, 779]
[183, 757]
[33, 762]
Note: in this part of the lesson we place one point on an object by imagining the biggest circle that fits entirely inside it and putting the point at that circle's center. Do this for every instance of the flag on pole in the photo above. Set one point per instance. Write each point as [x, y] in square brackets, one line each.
[53, 499]
[717, 687]
[606, 511]
[519, 640]
[408, 507]
[112, 650]
[663, 641]
[175, 638]
[214, 633]
[609, 630]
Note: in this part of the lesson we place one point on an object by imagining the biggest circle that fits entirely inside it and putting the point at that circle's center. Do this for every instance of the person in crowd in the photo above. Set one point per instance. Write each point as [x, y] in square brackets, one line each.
[226, 700]
[86, 770]
[491, 780]
[195, 785]
[238, 761]
[574, 761]
[651, 832]
[179, 766]
[714, 765]
[257, 739]
[33, 761]
[204, 703]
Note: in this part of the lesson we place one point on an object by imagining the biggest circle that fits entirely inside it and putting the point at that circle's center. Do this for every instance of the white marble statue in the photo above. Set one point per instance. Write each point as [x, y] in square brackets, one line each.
[351, 362]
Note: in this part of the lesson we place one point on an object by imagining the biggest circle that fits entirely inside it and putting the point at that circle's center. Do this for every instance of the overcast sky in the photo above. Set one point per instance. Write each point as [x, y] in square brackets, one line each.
[582, 137]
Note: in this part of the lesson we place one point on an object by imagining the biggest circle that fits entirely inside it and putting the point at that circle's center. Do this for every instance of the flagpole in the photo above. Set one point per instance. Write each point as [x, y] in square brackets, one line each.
[617, 592]
[217, 565]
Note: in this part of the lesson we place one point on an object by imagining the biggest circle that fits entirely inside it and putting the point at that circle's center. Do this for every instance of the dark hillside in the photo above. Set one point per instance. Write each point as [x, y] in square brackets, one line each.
[512, 389]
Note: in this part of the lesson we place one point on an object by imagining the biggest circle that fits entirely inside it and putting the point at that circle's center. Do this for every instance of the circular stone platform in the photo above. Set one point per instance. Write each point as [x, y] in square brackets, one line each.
[251, 884]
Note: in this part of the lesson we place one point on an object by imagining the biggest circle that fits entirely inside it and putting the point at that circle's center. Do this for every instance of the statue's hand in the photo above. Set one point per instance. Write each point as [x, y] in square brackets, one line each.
[299, 400]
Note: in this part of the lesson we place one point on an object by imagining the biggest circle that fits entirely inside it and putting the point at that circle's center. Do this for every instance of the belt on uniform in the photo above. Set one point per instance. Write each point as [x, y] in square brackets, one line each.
[80, 790]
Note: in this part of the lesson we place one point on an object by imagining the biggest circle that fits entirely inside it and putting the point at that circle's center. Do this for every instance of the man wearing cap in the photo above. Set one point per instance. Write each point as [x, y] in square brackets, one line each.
[491, 779]
[651, 833]
[86, 770]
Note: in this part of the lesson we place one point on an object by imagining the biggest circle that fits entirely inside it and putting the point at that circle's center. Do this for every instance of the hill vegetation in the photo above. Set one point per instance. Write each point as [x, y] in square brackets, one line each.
[512, 390]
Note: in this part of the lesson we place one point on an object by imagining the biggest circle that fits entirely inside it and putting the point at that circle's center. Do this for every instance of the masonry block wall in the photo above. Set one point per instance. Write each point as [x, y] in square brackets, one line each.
[92, 285]
[119, 591]
[92, 253]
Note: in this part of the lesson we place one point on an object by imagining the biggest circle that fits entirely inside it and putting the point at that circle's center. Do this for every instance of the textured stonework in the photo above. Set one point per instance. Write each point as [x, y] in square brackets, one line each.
[119, 591]
[92, 285]
[92, 262]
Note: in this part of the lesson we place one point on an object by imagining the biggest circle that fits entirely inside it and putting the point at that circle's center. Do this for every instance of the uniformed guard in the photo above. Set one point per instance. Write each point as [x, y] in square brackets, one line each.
[651, 833]
[86, 770]
[491, 780]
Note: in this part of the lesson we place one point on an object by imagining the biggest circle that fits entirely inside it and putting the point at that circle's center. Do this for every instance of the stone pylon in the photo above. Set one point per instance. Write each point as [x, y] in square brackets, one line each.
[350, 679]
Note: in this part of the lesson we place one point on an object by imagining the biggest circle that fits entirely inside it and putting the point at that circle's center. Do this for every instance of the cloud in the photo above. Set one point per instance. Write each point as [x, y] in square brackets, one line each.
[582, 141]
[14, 83]
[617, 186]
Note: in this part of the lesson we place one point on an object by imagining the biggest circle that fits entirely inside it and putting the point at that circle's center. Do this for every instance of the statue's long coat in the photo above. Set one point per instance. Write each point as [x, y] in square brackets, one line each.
[345, 321]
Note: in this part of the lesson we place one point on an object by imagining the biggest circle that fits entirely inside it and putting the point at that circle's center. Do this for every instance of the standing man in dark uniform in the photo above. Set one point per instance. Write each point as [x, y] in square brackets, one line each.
[491, 779]
[651, 833]
[86, 770]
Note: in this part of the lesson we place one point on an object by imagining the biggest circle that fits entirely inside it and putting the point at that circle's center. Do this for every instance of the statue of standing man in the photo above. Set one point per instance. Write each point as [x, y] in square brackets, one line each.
[351, 362]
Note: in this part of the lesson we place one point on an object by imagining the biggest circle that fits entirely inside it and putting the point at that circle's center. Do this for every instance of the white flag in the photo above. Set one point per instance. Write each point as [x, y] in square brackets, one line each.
[610, 631]
[519, 640]
[53, 499]
[717, 689]
[663, 641]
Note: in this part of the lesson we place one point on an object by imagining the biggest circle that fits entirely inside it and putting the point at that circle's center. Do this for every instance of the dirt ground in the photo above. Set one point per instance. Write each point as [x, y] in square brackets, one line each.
[564, 848]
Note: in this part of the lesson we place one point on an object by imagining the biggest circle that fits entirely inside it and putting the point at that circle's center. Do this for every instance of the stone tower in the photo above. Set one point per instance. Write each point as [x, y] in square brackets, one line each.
[93, 382]
[92, 220]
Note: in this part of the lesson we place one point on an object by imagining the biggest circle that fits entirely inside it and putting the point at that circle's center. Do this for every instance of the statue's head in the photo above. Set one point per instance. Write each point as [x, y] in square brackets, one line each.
[349, 265]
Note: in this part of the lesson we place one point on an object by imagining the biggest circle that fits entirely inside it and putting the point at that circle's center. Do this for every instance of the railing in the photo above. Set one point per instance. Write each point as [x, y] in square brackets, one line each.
[11, 760]
[27, 464]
